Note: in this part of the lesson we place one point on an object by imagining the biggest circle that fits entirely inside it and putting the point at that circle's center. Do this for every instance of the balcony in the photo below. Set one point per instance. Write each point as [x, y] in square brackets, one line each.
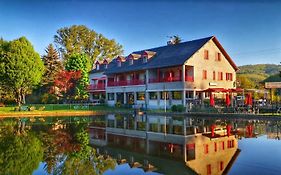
[125, 83]
[96, 87]
[166, 79]
[189, 78]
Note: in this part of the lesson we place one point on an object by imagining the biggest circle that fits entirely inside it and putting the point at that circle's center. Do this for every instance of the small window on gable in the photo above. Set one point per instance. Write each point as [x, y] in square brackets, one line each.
[218, 56]
[206, 54]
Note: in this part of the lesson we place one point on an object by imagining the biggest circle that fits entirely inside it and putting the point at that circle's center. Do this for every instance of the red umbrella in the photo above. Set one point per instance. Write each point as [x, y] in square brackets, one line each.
[249, 99]
[228, 129]
[212, 100]
[213, 127]
[227, 100]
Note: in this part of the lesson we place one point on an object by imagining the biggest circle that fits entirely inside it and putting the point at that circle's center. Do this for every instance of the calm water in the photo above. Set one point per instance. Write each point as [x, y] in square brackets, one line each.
[148, 145]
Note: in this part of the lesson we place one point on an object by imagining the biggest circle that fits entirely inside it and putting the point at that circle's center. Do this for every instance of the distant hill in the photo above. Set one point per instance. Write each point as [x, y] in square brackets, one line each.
[258, 72]
[259, 69]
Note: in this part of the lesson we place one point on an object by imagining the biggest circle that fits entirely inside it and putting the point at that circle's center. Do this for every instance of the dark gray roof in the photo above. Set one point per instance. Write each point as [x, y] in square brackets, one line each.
[102, 69]
[166, 56]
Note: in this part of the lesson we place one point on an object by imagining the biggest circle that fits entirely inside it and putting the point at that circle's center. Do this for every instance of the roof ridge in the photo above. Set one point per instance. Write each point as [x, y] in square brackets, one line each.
[210, 37]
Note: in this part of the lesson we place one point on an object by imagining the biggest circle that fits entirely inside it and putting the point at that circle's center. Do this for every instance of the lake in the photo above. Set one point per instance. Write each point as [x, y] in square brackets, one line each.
[118, 144]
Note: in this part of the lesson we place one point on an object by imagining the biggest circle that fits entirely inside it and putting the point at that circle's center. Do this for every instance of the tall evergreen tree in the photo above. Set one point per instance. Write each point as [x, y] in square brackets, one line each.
[52, 65]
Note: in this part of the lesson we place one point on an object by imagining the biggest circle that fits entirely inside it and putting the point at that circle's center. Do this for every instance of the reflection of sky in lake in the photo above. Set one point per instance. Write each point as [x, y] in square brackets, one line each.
[125, 169]
[258, 156]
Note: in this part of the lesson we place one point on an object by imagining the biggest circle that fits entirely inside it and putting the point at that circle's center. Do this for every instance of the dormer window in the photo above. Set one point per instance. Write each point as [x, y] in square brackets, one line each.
[105, 63]
[144, 59]
[146, 55]
[97, 65]
[119, 63]
[131, 61]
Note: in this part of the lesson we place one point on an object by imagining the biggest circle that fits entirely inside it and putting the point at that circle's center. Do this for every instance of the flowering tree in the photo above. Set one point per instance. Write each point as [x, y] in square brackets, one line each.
[65, 83]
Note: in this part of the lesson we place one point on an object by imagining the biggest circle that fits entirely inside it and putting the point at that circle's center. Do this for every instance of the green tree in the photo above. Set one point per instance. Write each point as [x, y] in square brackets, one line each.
[176, 39]
[20, 154]
[80, 39]
[79, 62]
[52, 65]
[20, 68]
[244, 82]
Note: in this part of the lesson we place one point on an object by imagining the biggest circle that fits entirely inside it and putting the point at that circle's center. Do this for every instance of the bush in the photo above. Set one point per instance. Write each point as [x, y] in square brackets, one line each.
[178, 108]
[174, 108]
[118, 104]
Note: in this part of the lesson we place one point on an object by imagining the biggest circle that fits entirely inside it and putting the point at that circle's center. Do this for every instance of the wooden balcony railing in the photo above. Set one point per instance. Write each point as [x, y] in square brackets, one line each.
[171, 79]
[189, 78]
[125, 82]
[96, 87]
[166, 79]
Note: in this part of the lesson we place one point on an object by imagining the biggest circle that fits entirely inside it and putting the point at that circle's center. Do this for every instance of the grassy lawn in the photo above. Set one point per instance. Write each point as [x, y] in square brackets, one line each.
[43, 108]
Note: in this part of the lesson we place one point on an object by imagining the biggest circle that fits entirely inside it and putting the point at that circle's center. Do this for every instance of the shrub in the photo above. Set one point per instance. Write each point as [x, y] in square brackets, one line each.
[180, 108]
[174, 108]
[118, 104]
[177, 108]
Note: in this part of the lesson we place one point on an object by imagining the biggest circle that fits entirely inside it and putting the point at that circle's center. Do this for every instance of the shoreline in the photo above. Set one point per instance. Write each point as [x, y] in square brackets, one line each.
[87, 113]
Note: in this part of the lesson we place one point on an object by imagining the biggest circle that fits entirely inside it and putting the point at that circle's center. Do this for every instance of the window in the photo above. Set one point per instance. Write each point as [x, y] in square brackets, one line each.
[209, 170]
[163, 95]
[228, 76]
[204, 74]
[110, 96]
[221, 166]
[222, 145]
[153, 95]
[215, 147]
[218, 56]
[119, 63]
[230, 144]
[206, 148]
[220, 76]
[140, 96]
[214, 75]
[190, 151]
[189, 94]
[206, 54]
[144, 59]
[131, 61]
[176, 95]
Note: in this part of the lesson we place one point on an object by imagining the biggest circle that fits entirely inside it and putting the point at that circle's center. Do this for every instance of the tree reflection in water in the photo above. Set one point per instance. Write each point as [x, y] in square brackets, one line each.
[20, 152]
[64, 150]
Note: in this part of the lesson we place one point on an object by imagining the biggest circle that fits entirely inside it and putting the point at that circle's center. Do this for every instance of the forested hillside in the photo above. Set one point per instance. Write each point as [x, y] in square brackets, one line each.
[250, 75]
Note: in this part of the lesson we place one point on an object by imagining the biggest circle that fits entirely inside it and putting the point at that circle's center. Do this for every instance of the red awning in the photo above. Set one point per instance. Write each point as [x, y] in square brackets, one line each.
[222, 90]
[214, 90]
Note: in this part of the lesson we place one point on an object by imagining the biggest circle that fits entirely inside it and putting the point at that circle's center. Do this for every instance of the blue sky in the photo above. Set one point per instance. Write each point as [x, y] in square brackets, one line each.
[250, 31]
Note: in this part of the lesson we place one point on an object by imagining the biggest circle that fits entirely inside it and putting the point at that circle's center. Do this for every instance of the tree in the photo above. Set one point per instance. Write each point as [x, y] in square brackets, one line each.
[80, 39]
[65, 82]
[52, 65]
[244, 82]
[20, 153]
[20, 68]
[175, 39]
[79, 62]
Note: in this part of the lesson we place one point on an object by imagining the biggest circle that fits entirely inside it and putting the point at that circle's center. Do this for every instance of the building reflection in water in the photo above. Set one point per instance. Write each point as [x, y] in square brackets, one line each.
[206, 146]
